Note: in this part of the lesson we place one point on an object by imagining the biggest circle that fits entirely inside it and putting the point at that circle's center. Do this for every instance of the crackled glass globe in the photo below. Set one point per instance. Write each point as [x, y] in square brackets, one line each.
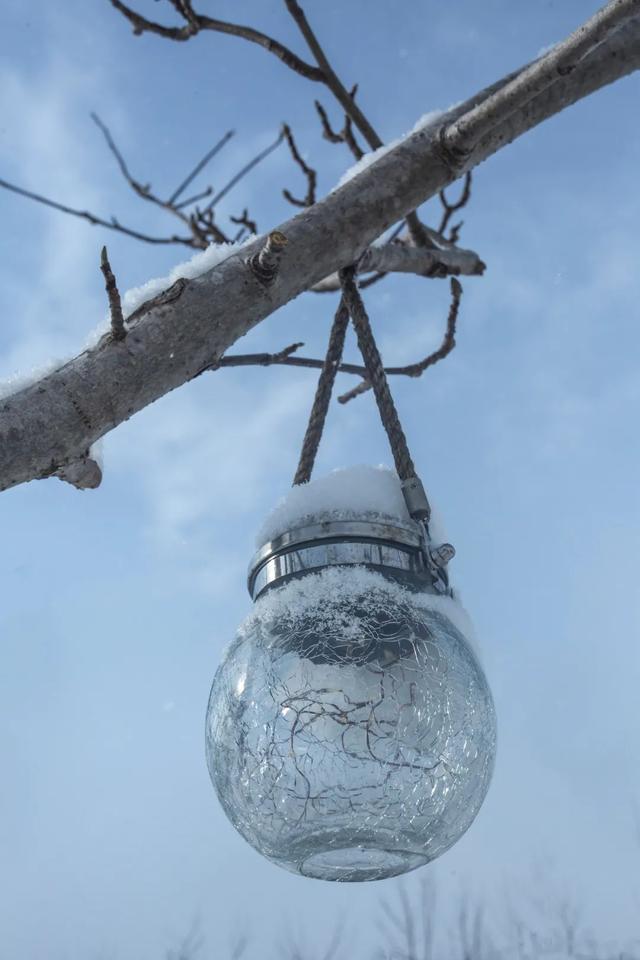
[350, 731]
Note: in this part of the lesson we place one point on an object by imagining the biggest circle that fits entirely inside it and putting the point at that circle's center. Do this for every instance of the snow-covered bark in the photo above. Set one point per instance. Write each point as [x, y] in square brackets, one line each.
[48, 426]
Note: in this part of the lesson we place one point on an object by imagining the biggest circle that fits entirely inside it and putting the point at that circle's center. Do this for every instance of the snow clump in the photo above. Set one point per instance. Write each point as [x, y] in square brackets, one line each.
[361, 492]
[357, 589]
[425, 121]
[199, 263]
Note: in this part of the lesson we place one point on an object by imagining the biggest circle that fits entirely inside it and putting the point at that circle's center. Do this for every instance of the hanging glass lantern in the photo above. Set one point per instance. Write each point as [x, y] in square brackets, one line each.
[350, 731]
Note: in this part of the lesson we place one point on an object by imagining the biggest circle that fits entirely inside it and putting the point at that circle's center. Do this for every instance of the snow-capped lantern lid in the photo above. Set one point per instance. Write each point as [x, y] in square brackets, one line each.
[351, 517]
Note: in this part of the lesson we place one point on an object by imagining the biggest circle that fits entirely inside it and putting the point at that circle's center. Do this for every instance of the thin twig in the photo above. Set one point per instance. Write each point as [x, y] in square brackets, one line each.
[143, 190]
[112, 224]
[194, 198]
[244, 171]
[450, 208]
[115, 304]
[352, 111]
[200, 166]
[330, 78]
[327, 130]
[284, 357]
[262, 359]
[203, 223]
[245, 221]
[417, 369]
[198, 22]
[200, 238]
[345, 135]
[322, 73]
[309, 172]
[369, 281]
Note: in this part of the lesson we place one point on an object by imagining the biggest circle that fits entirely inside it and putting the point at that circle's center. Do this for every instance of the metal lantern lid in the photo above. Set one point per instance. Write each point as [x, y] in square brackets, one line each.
[401, 549]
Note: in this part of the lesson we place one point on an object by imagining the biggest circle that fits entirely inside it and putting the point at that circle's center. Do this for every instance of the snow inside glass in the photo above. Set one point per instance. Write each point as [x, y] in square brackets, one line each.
[350, 729]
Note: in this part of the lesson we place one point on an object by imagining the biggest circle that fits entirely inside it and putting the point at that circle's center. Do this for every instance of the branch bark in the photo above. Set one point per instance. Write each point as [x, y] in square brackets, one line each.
[53, 422]
[398, 258]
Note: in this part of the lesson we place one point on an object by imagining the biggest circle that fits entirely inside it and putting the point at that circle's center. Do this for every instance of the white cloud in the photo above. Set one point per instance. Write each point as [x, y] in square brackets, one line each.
[207, 459]
[46, 150]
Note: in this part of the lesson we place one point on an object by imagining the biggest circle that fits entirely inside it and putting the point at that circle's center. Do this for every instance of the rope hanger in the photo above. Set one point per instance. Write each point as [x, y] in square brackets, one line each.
[351, 305]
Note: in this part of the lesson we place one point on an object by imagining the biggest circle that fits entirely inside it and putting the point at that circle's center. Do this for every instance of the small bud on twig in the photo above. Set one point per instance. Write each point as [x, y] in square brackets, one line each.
[265, 264]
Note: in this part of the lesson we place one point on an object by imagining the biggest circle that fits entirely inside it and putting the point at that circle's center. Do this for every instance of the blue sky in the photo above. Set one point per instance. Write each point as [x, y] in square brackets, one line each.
[118, 603]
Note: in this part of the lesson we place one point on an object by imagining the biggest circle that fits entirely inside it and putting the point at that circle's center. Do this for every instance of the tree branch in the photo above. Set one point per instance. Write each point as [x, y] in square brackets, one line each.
[197, 22]
[259, 157]
[201, 223]
[112, 224]
[346, 135]
[330, 78]
[198, 168]
[288, 356]
[143, 190]
[50, 423]
[309, 172]
[450, 208]
[464, 133]
[352, 111]
[398, 258]
[245, 221]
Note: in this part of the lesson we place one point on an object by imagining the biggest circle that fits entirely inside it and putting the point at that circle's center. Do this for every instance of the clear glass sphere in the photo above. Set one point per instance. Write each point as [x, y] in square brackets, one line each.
[350, 731]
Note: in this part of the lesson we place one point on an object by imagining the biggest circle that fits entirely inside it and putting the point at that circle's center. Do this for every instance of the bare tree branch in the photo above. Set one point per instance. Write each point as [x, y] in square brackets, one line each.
[399, 258]
[48, 424]
[194, 198]
[243, 172]
[285, 358]
[450, 208]
[143, 190]
[352, 111]
[463, 134]
[197, 22]
[245, 221]
[310, 174]
[112, 224]
[201, 223]
[330, 78]
[346, 135]
[199, 167]
[323, 73]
